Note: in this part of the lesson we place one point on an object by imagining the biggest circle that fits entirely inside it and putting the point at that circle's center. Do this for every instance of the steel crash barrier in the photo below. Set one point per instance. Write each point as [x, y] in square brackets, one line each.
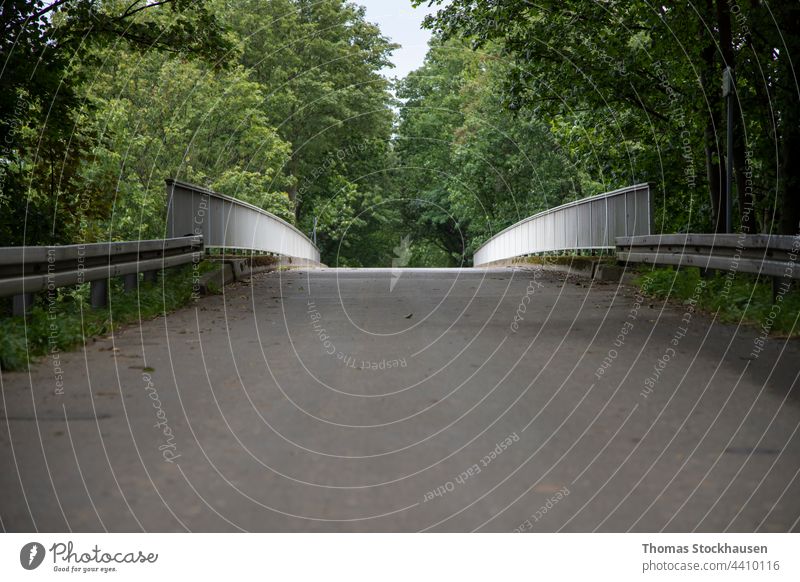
[592, 223]
[769, 255]
[225, 222]
[27, 270]
[197, 219]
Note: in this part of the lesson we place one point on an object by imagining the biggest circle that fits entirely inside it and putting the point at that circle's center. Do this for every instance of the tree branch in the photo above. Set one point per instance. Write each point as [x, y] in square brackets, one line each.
[128, 12]
[47, 9]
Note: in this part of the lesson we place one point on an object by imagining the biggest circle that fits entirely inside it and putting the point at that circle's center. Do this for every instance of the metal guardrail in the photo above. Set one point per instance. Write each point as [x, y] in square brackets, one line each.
[28, 270]
[770, 255]
[197, 218]
[226, 222]
[590, 224]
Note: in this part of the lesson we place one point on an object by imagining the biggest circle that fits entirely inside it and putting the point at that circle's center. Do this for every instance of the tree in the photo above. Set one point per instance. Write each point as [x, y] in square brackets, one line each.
[319, 63]
[649, 75]
[42, 197]
[467, 165]
[158, 116]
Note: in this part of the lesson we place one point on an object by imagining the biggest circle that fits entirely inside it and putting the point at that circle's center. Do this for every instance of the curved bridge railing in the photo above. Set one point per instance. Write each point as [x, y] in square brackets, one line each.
[225, 222]
[590, 224]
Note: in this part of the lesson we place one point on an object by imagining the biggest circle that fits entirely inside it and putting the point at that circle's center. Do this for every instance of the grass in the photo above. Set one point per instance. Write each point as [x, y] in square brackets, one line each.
[741, 298]
[68, 320]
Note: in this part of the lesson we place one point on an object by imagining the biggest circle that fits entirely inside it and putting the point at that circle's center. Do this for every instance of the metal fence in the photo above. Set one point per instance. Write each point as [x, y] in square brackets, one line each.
[30, 269]
[588, 224]
[771, 255]
[226, 222]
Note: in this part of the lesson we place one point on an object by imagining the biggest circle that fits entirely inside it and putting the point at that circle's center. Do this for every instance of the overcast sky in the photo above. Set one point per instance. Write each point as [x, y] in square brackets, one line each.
[400, 22]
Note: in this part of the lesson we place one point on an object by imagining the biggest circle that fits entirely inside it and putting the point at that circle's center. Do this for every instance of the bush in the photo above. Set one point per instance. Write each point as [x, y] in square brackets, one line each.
[741, 297]
[69, 320]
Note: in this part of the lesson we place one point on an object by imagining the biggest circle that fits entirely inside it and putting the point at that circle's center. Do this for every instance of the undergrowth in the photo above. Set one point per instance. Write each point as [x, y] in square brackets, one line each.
[66, 319]
[743, 298]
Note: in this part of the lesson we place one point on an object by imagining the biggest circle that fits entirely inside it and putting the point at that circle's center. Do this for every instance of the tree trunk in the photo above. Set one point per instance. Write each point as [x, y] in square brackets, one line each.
[747, 219]
[294, 188]
[747, 199]
[789, 173]
[713, 169]
[714, 176]
[788, 101]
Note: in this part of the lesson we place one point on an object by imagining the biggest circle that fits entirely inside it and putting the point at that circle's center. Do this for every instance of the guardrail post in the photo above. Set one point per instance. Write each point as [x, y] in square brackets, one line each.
[776, 288]
[21, 277]
[99, 293]
[21, 304]
[707, 273]
[130, 282]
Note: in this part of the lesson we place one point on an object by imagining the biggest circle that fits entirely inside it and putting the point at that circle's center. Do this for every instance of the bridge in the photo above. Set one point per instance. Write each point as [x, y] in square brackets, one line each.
[541, 394]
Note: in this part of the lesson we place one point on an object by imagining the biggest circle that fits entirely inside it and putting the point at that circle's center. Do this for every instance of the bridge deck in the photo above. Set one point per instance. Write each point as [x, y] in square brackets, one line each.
[406, 400]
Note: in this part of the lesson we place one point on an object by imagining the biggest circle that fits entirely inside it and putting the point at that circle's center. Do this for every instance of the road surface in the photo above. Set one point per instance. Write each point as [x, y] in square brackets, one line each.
[408, 400]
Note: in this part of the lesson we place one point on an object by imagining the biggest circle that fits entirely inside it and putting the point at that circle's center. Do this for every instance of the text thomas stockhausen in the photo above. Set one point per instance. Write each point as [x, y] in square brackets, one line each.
[718, 548]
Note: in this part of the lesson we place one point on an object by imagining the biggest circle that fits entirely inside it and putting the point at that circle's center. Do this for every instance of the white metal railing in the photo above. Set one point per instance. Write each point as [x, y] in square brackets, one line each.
[225, 222]
[591, 223]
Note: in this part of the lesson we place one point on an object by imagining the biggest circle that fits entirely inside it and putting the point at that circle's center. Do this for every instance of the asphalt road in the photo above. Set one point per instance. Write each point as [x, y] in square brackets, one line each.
[380, 400]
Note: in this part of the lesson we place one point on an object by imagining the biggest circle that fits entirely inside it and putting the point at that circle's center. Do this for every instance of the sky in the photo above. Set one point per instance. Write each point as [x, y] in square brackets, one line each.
[399, 21]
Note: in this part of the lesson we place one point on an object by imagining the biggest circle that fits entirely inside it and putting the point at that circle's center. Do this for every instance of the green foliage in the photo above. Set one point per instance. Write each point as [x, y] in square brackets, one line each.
[741, 299]
[257, 188]
[427, 254]
[45, 196]
[468, 166]
[277, 102]
[319, 62]
[159, 116]
[632, 89]
[69, 321]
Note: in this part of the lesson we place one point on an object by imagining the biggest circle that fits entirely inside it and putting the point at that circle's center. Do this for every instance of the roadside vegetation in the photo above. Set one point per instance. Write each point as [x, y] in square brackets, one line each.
[745, 298]
[69, 321]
